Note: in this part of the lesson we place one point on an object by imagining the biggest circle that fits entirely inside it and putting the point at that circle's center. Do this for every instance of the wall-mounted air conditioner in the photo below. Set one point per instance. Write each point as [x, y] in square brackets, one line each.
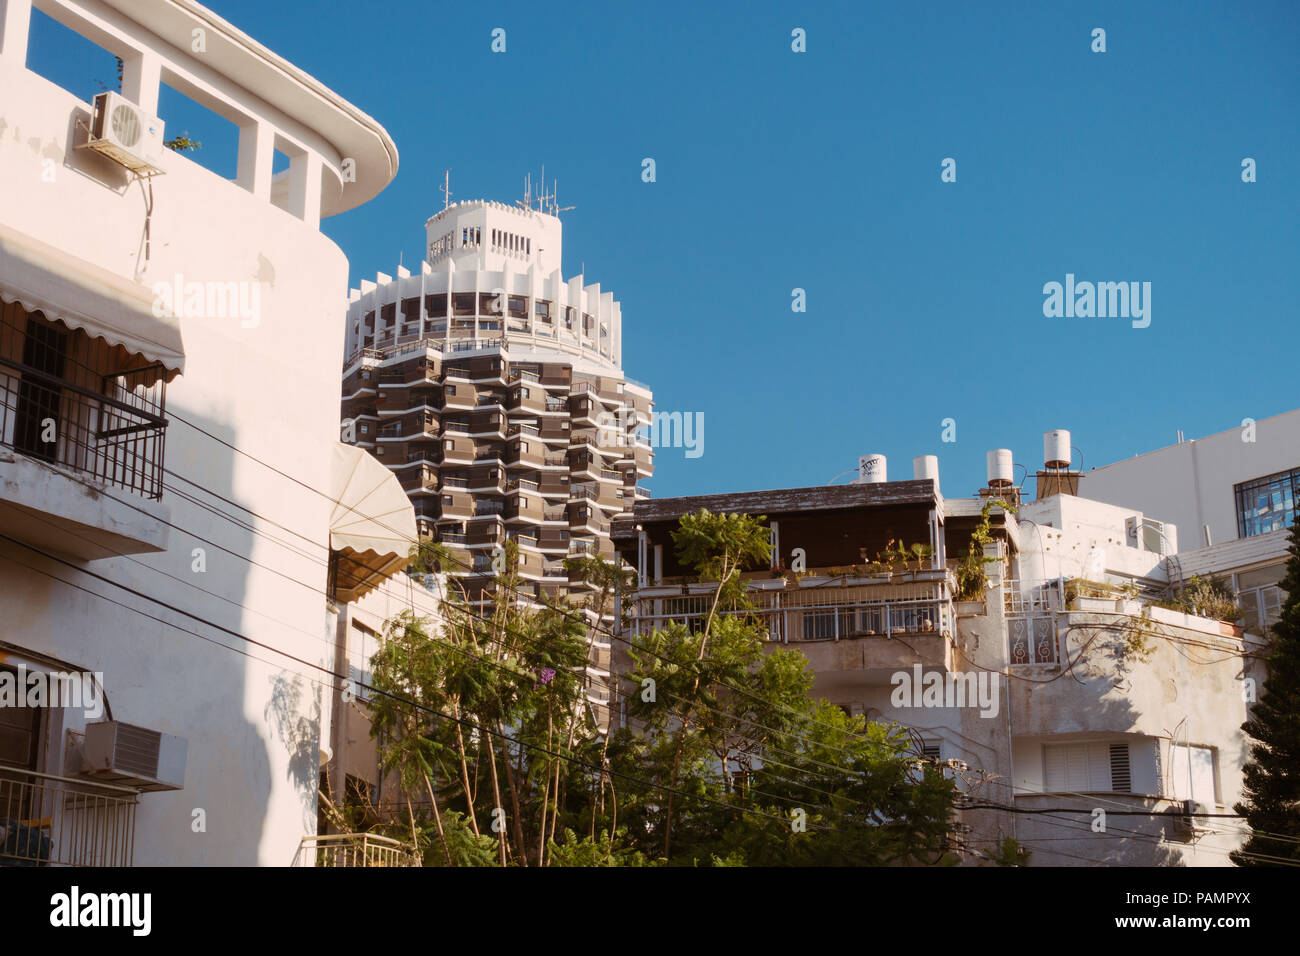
[1187, 811]
[132, 756]
[126, 134]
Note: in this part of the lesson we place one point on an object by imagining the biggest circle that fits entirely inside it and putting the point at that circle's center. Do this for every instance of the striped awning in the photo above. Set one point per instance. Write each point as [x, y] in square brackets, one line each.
[372, 528]
[81, 295]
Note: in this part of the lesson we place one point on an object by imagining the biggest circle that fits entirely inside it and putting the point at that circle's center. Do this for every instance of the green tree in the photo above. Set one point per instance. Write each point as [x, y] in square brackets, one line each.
[1271, 804]
[766, 776]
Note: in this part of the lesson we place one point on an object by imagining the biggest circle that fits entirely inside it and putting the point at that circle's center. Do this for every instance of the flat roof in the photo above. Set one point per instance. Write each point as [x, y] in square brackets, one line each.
[275, 80]
[885, 494]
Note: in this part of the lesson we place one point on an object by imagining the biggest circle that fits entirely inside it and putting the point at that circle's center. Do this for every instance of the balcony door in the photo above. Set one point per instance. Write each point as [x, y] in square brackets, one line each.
[20, 747]
[44, 351]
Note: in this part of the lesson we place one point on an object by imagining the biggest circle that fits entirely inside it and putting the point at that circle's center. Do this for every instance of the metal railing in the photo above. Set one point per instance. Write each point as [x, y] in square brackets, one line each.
[1036, 599]
[110, 427]
[820, 613]
[1032, 639]
[1032, 635]
[354, 849]
[47, 820]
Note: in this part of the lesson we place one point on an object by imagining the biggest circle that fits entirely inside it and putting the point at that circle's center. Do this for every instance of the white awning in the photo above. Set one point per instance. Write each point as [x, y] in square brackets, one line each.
[372, 528]
[81, 295]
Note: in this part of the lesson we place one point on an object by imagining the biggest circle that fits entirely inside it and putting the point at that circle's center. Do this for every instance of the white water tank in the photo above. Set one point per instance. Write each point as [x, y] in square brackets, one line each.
[871, 469]
[1056, 448]
[1001, 468]
[926, 466]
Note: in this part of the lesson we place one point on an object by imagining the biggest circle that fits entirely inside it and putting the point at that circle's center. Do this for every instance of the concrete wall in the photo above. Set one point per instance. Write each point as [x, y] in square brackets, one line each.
[1191, 484]
[1069, 537]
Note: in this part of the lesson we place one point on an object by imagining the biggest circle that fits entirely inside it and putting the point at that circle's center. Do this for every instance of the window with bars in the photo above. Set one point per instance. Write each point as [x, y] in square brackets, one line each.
[76, 401]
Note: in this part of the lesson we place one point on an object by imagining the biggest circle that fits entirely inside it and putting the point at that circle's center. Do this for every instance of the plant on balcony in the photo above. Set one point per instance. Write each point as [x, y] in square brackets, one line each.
[972, 578]
[713, 703]
[1209, 597]
[183, 143]
[1076, 588]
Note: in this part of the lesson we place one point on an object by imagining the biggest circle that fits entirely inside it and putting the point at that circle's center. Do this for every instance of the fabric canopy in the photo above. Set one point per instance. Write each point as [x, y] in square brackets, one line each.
[372, 528]
[81, 295]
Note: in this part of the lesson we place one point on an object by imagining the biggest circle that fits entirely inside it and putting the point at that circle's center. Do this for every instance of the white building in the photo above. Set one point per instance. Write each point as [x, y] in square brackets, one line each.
[1081, 719]
[1234, 495]
[143, 297]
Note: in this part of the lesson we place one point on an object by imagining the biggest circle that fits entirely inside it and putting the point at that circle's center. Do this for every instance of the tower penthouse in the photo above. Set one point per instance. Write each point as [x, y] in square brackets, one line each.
[494, 389]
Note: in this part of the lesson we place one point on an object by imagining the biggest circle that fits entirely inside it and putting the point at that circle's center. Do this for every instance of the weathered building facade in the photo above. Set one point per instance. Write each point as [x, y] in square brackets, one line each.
[1076, 716]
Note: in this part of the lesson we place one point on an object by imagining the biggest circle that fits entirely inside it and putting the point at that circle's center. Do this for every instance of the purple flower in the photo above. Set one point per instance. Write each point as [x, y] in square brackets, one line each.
[547, 675]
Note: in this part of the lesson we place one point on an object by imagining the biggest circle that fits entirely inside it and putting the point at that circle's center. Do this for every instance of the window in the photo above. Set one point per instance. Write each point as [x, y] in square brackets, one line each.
[364, 645]
[931, 752]
[1191, 772]
[19, 731]
[71, 400]
[1267, 504]
[818, 625]
[1086, 767]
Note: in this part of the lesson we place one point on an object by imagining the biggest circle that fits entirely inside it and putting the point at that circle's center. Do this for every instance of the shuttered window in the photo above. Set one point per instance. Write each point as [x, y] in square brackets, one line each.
[1086, 767]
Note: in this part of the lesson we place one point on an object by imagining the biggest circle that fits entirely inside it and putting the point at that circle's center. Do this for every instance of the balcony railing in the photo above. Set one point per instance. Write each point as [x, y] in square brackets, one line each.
[821, 613]
[113, 433]
[63, 821]
[354, 849]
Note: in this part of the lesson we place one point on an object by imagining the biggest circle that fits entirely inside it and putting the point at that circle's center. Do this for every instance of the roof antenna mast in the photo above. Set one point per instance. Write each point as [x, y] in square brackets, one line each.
[446, 189]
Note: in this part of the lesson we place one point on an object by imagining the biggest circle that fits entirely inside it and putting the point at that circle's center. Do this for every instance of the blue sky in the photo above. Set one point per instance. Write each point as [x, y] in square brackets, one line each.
[821, 171]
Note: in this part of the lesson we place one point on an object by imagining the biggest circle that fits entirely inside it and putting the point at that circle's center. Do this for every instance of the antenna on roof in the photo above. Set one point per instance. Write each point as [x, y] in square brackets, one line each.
[446, 189]
[556, 208]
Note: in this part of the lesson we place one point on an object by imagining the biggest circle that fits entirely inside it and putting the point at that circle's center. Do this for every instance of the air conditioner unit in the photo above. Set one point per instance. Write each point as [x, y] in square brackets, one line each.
[133, 756]
[1187, 812]
[126, 134]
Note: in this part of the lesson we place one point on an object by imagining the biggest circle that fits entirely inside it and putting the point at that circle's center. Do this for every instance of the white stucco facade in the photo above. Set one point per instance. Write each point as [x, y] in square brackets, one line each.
[1191, 483]
[223, 638]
